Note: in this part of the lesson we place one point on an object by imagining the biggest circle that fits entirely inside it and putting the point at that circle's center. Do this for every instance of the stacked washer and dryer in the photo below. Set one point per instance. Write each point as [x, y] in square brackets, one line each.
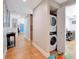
[53, 33]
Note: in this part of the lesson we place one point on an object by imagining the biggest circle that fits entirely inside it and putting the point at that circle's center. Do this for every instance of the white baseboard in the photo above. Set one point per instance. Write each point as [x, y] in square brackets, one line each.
[4, 54]
[41, 50]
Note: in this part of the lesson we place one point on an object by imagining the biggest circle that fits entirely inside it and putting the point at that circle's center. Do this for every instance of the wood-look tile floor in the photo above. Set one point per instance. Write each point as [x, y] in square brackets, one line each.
[23, 50]
[71, 48]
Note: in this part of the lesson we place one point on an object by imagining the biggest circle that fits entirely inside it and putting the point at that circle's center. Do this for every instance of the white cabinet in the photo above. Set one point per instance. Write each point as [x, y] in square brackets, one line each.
[61, 29]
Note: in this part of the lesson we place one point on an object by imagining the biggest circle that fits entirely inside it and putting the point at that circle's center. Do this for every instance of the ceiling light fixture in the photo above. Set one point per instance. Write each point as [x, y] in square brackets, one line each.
[60, 1]
[24, 0]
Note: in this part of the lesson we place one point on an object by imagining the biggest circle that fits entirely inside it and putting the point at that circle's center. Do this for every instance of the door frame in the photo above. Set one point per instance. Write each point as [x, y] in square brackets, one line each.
[31, 27]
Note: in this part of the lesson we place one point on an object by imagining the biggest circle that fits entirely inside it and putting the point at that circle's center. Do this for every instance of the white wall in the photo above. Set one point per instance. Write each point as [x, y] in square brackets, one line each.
[69, 25]
[41, 22]
[7, 29]
[73, 26]
[4, 32]
[61, 29]
[27, 27]
[12, 15]
[70, 16]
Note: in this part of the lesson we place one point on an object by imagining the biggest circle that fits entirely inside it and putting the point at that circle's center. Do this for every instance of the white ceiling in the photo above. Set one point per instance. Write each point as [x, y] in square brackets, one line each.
[26, 7]
[21, 7]
[53, 5]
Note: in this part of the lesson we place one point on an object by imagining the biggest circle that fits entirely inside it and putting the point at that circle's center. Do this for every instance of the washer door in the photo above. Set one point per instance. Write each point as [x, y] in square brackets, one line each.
[53, 41]
[53, 21]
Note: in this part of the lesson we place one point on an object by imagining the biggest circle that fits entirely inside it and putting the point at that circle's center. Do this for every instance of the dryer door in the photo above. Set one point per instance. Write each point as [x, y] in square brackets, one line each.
[53, 40]
[53, 21]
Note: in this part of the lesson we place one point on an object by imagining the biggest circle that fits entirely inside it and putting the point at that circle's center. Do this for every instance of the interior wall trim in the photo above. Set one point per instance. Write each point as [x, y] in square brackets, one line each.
[4, 54]
[41, 50]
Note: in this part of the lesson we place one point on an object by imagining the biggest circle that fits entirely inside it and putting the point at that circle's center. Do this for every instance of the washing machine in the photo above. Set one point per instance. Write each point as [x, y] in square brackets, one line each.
[53, 42]
[52, 23]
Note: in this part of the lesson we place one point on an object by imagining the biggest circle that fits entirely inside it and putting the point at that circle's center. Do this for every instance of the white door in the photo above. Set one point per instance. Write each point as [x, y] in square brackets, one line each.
[61, 29]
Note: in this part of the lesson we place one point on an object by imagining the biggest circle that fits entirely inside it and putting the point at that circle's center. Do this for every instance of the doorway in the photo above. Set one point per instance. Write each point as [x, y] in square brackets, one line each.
[70, 31]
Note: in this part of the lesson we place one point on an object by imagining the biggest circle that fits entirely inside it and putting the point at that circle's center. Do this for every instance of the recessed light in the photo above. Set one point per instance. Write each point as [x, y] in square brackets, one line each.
[24, 0]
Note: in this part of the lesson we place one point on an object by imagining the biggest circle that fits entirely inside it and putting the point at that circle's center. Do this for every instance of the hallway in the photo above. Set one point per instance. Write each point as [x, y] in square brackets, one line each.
[23, 50]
